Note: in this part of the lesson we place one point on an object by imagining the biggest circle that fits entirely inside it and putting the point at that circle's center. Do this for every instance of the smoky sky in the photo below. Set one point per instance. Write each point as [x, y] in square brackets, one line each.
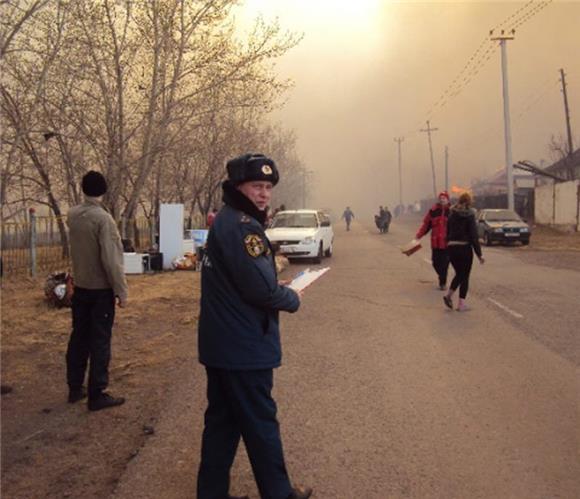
[363, 78]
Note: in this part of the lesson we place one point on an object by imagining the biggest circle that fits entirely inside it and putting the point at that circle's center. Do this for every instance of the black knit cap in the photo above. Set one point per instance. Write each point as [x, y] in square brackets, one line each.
[94, 184]
[250, 167]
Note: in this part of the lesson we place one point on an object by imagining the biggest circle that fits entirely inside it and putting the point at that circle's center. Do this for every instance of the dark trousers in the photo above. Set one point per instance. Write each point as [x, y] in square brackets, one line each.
[240, 405]
[347, 224]
[93, 314]
[440, 262]
[461, 259]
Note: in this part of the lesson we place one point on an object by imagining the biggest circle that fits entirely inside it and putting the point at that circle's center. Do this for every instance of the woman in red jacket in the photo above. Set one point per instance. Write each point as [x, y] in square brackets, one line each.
[436, 221]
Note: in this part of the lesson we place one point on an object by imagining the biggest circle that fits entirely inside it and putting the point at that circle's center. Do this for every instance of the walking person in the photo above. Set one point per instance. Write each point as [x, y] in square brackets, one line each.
[379, 219]
[387, 217]
[435, 220]
[347, 215]
[99, 280]
[462, 241]
[239, 337]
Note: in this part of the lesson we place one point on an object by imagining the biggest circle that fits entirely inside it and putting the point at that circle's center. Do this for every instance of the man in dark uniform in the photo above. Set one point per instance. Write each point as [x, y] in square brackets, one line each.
[239, 338]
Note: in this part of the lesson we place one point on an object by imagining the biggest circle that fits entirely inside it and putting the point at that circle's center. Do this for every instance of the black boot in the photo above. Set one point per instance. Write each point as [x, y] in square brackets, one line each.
[300, 493]
[104, 401]
[76, 394]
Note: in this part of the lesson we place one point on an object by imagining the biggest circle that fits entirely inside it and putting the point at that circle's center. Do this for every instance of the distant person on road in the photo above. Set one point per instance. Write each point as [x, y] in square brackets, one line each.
[347, 216]
[99, 280]
[239, 337]
[462, 240]
[388, 216]
[436, 221]
[383, 220]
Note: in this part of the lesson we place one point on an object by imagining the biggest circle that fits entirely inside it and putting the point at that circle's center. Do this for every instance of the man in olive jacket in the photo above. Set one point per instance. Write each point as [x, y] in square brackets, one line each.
[239, 337]
[99, 279]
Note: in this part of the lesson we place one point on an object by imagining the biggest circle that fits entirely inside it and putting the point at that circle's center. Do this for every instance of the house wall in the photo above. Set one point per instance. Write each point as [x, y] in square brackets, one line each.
[558, 204]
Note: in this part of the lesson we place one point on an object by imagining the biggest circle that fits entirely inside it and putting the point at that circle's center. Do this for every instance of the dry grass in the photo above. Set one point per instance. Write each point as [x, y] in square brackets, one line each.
[54, 449]
[546, 238]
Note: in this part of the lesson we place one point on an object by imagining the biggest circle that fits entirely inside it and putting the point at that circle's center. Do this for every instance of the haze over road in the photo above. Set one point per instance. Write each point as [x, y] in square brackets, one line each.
[384, 393]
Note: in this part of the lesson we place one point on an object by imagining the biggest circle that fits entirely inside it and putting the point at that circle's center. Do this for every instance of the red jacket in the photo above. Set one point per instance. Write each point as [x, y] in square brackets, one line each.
[435, 221]
[210, 218]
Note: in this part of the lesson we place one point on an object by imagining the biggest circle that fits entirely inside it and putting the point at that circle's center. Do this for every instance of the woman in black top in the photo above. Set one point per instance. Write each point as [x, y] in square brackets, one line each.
[462, 241]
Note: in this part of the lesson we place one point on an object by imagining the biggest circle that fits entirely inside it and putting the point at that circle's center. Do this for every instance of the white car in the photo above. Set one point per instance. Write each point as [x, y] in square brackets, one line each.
[302, 234]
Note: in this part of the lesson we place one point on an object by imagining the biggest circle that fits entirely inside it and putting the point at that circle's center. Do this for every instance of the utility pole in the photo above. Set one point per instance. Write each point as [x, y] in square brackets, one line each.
[567, 110]
[446, 169]
[398, 140]
[305, 173]
[429, 130]
[304, 190]
[506, 117]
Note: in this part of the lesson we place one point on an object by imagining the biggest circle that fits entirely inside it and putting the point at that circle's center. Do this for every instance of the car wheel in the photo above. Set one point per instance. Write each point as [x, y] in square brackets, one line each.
[525, 243]
[328, 252]
[318, 258]
[486, 239]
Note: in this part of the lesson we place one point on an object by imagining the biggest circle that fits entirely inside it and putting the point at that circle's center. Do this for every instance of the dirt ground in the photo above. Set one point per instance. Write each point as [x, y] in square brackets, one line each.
[552, 248]
[54, 449]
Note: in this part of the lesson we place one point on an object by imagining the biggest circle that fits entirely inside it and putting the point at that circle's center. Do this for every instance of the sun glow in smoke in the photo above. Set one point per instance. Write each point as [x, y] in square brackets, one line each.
[334, 17]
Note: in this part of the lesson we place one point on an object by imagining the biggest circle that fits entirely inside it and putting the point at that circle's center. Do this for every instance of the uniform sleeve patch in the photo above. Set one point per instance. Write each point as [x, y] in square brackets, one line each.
[254, 245]
[245, 219]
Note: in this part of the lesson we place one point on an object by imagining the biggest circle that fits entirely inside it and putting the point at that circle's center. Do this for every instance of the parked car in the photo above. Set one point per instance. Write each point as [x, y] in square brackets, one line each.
[503, 226]
[302, 234]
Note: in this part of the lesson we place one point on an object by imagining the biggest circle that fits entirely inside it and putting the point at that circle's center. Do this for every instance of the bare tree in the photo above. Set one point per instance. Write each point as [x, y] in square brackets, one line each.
[157, 95]
[14, 16]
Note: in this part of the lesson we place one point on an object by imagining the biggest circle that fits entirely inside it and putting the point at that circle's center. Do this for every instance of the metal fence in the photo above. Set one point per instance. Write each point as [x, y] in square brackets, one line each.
[523, 202]
[41, 245]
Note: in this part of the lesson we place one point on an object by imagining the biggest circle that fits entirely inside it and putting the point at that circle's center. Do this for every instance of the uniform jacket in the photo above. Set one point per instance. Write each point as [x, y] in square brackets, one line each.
[435, 221]
[96, 249]
[240, 295]
[461, 227]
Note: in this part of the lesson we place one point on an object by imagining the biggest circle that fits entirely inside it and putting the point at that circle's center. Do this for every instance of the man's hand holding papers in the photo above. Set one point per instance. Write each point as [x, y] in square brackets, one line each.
[306, 278]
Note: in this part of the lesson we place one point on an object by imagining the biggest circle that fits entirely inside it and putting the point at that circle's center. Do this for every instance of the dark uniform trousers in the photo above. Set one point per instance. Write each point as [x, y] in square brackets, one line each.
[93, 314]
[440, 262]
[240, 405]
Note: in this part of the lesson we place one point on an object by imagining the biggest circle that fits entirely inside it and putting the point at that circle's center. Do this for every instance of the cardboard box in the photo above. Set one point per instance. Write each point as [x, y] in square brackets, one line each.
[411, 247]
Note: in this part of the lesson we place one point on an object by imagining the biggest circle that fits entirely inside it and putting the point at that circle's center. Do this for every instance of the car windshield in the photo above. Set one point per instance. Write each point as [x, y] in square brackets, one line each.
[502, 216]
[295, 220]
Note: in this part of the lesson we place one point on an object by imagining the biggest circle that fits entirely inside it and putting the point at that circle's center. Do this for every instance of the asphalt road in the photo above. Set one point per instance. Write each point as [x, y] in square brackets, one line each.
[385, 393]
[542, 299]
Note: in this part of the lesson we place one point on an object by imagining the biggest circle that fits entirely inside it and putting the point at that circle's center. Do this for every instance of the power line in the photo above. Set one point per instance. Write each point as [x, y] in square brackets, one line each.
[531, 101]
[480, 57]
[537, 9]
[514, 15]
[476, 61]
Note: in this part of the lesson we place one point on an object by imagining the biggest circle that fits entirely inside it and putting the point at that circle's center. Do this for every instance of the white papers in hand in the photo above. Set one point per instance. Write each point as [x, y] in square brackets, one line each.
[306, 278]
